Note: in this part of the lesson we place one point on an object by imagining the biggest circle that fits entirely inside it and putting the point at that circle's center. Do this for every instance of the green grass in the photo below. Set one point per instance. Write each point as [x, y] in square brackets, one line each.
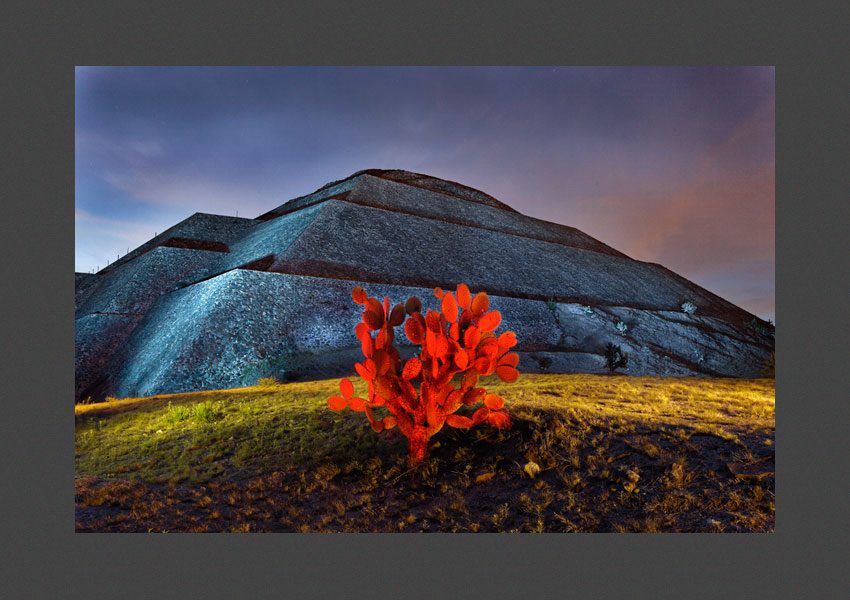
[590, 435]
[201, 435]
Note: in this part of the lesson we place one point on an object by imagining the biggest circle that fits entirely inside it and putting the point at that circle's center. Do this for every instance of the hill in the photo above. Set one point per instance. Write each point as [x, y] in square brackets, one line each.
[614, 453]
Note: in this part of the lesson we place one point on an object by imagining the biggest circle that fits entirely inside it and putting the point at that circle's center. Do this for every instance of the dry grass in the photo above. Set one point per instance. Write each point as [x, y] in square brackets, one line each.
[614, 453]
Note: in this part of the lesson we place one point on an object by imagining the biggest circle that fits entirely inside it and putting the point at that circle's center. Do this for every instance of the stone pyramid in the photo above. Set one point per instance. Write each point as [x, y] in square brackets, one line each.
[217, 302]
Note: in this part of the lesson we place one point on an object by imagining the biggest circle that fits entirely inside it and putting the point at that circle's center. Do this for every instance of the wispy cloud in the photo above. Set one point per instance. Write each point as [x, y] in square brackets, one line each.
[670, 165]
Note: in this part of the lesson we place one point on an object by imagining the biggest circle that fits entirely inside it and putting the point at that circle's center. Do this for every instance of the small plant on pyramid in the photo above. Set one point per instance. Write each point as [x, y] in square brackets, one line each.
[458, 341]
[615, 358]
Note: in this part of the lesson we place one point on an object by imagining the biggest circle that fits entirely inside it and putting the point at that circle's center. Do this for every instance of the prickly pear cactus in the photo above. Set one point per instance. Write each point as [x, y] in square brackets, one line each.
[459, 339]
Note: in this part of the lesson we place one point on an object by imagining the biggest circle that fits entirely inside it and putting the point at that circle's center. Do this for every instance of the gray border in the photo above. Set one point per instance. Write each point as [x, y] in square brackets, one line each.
[43, 557]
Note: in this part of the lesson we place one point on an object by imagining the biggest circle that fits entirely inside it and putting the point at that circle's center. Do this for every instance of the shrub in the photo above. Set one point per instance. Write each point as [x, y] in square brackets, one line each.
[203, 412]
[689, 307]
[175, 413]
[267, 382]
[457, 340]
[544, 361]
[615, 358]
[206, 412]
[622, 327]
[587, 310]
[764, 328]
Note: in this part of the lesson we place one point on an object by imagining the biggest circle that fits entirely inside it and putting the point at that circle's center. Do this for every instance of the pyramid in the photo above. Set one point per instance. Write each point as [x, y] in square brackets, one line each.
[218, 302]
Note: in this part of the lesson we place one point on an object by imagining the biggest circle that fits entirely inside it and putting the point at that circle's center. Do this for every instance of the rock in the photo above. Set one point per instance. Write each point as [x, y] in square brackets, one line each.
[484, 477]
[756, 470]
[531, 469]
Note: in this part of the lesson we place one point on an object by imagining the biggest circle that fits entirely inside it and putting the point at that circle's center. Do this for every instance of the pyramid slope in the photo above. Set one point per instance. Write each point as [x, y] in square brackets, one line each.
[363, 243]
[207, 231]
[133, 286]
[83, 284]
[451, 188]
[267, 238]
[217, 334]
[408, 178]
[368, 190]
[218, 301]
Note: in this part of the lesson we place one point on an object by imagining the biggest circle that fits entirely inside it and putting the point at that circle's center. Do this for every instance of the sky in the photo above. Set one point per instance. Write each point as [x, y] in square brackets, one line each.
[673, 165]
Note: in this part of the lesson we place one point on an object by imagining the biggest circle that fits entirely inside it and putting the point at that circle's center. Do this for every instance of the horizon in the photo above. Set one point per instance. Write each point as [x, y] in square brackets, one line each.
[669, 165]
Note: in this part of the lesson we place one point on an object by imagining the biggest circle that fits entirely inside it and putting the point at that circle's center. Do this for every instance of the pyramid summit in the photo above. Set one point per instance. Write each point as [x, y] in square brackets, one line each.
[218, 301]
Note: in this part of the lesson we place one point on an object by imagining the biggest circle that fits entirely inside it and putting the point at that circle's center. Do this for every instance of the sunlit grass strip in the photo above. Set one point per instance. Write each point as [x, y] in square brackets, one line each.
[250, 429]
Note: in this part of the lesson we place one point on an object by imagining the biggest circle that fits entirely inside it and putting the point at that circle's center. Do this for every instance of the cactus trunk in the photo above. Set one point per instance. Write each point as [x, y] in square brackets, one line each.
[417, 446]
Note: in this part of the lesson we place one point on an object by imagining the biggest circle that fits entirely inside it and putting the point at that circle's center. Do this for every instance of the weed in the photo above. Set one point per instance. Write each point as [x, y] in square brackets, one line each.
[206, 412]
[615, 358]
[544, 362]
[177, 413]
[500, 516]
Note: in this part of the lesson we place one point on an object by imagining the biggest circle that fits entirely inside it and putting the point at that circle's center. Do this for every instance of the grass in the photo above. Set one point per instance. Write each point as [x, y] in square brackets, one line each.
[610, 453]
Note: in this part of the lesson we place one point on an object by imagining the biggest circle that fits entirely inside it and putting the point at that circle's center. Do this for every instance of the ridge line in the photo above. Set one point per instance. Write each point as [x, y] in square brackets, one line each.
[344, 197]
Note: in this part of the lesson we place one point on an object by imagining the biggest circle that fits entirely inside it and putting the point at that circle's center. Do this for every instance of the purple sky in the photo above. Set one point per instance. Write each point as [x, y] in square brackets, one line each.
[669, 165]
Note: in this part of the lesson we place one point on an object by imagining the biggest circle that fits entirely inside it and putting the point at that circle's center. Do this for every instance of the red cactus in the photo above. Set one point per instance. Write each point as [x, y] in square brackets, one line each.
[456, 341]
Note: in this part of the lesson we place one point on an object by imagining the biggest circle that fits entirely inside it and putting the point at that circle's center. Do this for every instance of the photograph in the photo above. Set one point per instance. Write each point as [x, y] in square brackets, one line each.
[424, 299]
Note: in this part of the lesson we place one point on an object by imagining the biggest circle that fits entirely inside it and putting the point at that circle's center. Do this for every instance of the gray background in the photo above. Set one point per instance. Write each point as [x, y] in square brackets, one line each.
[44, 558]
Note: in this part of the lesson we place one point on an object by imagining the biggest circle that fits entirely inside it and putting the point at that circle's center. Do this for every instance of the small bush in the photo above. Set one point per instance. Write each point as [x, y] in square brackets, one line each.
[177, 413]
[689, 307]
[764, 328]
[206, 412]
[203, 412]
[587, 310]
[544, 361]
[622, 327]
[615, 358]
[267, 382]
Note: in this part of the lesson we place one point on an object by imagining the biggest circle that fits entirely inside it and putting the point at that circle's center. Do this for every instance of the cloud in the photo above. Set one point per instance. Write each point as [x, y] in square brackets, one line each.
[667, 165]
[721, 221]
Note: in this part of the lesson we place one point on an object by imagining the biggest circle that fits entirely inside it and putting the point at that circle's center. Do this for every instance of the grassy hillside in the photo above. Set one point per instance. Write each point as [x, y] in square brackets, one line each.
[614, 453]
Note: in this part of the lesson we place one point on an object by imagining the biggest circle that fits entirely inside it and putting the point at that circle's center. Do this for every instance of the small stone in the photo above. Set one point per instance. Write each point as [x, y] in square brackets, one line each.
[757, 470]
[484, 477]
[531, 468]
